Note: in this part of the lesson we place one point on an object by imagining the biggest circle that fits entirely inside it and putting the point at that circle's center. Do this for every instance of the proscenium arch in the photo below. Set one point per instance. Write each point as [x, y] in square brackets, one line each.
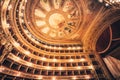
[94, 32]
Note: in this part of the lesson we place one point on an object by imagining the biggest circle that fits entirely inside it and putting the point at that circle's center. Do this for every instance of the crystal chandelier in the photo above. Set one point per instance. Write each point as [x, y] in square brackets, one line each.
[113, 3]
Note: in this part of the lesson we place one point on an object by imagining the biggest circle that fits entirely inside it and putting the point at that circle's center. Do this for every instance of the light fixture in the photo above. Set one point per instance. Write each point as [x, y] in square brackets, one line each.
[40, 77]
[91, 67]
[113, 3]
[74, 78]
[55, 47]
[9, 7]
[59, 47]
[29, 64]
[71, 60]
[43, 58]
[27, 52]
[54, 78]
[69, 48]
[87, 76]
[17, 58]
[54, 60]
[25, 1]
[48, 68]
[1, 69]
[50, 47]
[16, 44]
[7, 25]
[18, 74]
[45, 46]
[36, 42]
[73, 48]
[79, 48]
[60, 68]
[79, 67]
[82, 59]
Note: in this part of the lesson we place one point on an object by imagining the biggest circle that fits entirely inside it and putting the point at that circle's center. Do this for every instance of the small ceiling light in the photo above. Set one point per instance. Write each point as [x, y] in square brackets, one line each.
[59, 47]
[21, 19]
[18, 74]
[82, 59]
[7, 25]
[26, 31]
[91, 67]
[87, 76]
[50, 47]
[78, 67]
[55, 47]
[54, 78]
[17, 58]
[9, 7]
[2, 69]
[27, 52]
[25, 1]
[106, 4]
[79, 48]
[60, 68]
[69, 48]
[36, 42]
[48, 67]
[100, 1]
[71, 60]
[73, 48]
[29, 64]
[16, 44]
[40, 77]
[113, 3]
[54, 60]
[21, 14]
[43, 58]
[74, 78]
[45, 46]
[33, 39]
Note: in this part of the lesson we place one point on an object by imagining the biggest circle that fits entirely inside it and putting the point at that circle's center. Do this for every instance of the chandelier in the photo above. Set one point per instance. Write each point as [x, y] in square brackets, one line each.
[113, 3]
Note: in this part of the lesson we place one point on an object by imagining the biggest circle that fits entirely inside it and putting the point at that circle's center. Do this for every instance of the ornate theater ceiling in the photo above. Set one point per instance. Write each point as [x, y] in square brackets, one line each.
[52, 39]
[55, 19]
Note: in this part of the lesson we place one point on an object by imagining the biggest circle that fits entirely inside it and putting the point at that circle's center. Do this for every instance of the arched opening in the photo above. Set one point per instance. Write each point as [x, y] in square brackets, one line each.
[104, 41]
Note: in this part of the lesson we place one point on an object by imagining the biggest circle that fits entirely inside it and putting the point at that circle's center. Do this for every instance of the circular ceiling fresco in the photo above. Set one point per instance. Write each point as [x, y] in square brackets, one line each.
[55, 19]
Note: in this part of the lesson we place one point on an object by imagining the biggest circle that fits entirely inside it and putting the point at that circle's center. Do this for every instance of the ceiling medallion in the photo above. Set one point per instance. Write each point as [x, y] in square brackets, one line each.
[56, 19]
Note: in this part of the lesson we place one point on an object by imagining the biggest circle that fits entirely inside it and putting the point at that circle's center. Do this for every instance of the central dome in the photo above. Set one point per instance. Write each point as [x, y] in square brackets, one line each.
[55, 20]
